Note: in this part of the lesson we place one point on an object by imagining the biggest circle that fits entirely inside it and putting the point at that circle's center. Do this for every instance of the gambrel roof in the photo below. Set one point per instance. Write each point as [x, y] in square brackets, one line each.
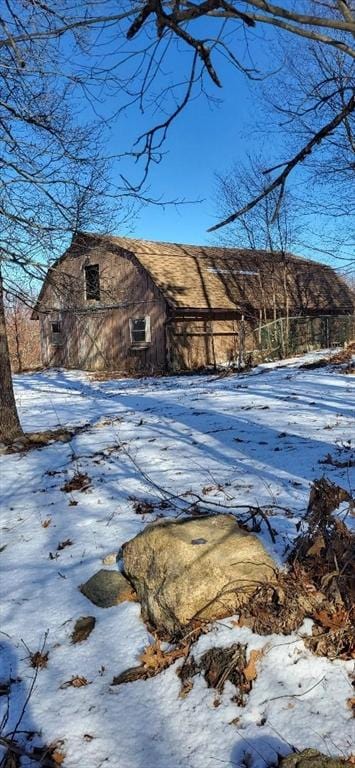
[192, 277]
[209, 277]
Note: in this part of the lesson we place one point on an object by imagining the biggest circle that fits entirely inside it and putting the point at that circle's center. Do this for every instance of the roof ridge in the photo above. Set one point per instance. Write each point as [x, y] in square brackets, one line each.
[222, 248]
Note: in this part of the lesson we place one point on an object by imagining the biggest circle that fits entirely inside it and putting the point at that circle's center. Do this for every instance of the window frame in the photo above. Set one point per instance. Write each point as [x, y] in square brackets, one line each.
[97, 295]
[140, 344]
[56, 336]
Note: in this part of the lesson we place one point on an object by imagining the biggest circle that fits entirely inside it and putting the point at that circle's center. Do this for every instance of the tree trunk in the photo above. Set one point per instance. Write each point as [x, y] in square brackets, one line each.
[10, 427]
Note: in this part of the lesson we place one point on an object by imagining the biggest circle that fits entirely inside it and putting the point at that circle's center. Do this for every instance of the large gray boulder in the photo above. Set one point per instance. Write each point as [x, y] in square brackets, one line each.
[197, 568]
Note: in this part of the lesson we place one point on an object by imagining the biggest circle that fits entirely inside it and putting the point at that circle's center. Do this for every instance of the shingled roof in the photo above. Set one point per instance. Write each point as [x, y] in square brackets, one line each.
[208, 277]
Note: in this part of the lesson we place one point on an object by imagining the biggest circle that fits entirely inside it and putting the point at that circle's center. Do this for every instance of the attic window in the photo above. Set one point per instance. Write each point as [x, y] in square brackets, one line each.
[56, 329]
[92, 282]
[140, 330]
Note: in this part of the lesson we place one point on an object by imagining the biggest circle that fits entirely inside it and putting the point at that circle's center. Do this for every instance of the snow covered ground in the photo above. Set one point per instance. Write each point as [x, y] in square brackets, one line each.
[259, 438]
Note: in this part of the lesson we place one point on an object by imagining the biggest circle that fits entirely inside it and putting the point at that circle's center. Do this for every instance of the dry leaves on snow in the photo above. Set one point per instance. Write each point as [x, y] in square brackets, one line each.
[153, 661]
[83, 628]
[219, 665]
[79, 482]
[39, 659]
[75, 682]
[50, 756]
[153, 658]
[319, 583]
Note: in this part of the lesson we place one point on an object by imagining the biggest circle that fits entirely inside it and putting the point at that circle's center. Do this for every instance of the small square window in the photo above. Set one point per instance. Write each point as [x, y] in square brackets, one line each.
[56, 327]
[92, 282]
[140, 330]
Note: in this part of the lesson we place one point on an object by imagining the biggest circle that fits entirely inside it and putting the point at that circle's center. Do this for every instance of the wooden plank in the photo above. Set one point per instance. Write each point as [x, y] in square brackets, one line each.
[207, 333]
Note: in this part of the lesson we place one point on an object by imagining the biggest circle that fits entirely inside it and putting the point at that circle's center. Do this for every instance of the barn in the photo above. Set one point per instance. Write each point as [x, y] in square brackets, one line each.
[136, 306]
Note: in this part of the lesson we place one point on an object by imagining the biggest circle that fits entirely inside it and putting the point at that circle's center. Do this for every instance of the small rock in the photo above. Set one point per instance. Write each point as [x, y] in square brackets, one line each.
[107, 588]
[110, 559]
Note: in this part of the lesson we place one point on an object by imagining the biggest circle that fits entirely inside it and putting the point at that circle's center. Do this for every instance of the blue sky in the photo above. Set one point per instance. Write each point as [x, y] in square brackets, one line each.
[205, 140]
[207, 137]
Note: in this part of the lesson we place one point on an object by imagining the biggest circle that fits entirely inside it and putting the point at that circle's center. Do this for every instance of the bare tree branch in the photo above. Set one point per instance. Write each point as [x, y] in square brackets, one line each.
[280, 181]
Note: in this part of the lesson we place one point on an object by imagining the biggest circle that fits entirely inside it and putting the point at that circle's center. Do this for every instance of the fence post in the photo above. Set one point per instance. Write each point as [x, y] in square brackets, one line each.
[241, 343]
[327, 331]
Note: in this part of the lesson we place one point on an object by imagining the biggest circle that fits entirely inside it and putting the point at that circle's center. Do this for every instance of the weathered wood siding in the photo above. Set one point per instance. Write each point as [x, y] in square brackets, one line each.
[194, 344]
[96, 334]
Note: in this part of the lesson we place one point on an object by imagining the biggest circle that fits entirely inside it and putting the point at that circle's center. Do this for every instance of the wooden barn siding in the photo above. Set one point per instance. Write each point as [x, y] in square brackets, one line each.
[100, 339]
[105, 344]
[195, 344]
[52, 354]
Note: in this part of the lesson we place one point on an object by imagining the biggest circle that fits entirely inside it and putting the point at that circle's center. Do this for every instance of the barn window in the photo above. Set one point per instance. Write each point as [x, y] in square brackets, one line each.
[140, 330]
[56, 328]
[92, 282]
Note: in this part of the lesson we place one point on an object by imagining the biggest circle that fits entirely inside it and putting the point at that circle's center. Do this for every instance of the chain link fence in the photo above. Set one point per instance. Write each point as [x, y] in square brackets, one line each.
[296, 335]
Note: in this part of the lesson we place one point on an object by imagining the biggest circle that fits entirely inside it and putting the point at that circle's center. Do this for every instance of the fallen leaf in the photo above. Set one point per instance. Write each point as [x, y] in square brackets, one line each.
[317, 546]
[83, 628]
[75, 682]
[250, 672]
[63, 544]
[332, 620]
[185, 689]
[39, 660]
[52, 752]
[153, 661]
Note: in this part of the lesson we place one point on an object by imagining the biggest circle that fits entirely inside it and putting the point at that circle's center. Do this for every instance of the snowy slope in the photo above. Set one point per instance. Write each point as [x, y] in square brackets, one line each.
[253, 439]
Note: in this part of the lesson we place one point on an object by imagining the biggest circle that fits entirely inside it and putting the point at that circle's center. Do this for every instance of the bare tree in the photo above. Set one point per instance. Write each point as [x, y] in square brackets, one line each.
[259, 228]
[54, 57]
[313, 86]
[22, 334]
[164, 32]
[52, 182]
[10, 427]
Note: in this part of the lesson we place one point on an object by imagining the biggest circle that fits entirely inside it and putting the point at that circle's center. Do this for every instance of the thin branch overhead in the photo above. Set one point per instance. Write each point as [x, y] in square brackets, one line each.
[299, 157]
